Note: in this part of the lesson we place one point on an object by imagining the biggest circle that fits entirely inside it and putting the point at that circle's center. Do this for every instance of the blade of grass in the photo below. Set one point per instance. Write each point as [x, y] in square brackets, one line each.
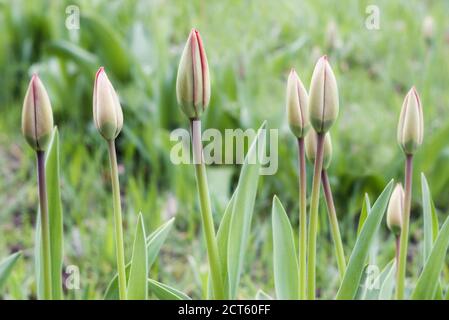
[387, 288]
[242, 210]
[429, 217]
[165, 292]
[285, 260]
[6, 266]
[428, 280]
[52, 166]
[366, 207]
[353, 273]
[137, 284]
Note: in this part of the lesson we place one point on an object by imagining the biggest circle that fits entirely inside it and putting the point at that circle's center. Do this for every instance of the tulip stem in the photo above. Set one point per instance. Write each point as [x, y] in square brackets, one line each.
[315, 198]
[45, 224]
[206, 211]
[302, 221]
[403, 243]
[120, 252]
[335, 230]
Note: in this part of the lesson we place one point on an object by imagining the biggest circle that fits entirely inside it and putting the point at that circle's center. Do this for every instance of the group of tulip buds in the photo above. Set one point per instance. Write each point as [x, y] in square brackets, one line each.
[410, 137]
[319, 109]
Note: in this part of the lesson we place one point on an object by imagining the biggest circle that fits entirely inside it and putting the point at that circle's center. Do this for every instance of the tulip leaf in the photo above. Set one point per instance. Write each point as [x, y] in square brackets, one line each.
[428, 281]
[154, 243]
[242, 211]
[388, 283]
[366, 207]
[285, 260]
[262, 295]
[52, 168]
[6, 267]
[165, 292]
[137, 281]
[430, 218]
[353, 274]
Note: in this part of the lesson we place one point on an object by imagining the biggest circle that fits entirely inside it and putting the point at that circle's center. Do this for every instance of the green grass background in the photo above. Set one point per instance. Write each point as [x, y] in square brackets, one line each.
[251, 46]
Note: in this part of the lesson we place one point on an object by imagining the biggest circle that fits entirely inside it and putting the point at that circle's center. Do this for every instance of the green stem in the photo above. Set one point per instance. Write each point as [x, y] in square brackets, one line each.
[206, 211]
[403, 243]
[120, 252]
[335, 230]
[311, 263]
[45, 224]
[302, 221]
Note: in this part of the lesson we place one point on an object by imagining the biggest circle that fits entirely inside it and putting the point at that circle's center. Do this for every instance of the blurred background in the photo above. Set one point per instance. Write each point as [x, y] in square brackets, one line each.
[251, 46]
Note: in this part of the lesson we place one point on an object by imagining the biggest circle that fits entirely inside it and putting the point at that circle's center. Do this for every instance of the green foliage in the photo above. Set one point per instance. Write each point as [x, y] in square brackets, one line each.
[138, 273]
[6, 267]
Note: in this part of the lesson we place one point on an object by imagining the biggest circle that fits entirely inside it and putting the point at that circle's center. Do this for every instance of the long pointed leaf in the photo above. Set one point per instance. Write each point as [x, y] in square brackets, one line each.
[165, 292]
[429, 279]
[353, 274]
[154, 243]
[285, 260]
[137, 282]
[240, 223]
[6, 267]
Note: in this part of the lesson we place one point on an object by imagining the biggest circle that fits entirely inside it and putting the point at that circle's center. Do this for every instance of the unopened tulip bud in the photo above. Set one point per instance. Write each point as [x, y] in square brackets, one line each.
[395, 209]
[411, 123]
[37, 116]
[323, 97]
[297, 100]
[311, 142]
[193, 83]
[108, 115]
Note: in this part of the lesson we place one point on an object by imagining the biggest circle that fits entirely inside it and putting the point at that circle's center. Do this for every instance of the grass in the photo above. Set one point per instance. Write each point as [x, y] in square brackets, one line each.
[250, 54]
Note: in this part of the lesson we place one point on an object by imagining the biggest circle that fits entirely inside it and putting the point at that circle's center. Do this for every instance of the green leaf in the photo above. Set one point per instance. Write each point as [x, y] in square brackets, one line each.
[366, 207]
[285, 260]
[372, 290]
[262, 295]
[242, 211]
[154, 243]
[353, 274]
[430, 219]
[6, 266]
[387, 287]
[137, 281]
[165, 292]
[429, 279]
[52, 168]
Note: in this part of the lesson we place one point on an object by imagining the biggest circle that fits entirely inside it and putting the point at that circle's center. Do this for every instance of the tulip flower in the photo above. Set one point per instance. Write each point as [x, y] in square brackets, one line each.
[297, 100]
[192, 83]
[298, 120]
[37, 125]
[108, 118]
[411, 123]
[37, 116]
[107, 112]
[323, 111]
[323, 97]
[395, 209]
[410, 137]
[193, 94]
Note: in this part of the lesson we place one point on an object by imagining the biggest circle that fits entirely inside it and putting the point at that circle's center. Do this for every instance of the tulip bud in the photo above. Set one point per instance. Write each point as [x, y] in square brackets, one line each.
[323, 97]
[192, 83]
[297, 100]
[108, 115]
[37, 116]
[311, 142]
[395, 209]
[411, 123]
